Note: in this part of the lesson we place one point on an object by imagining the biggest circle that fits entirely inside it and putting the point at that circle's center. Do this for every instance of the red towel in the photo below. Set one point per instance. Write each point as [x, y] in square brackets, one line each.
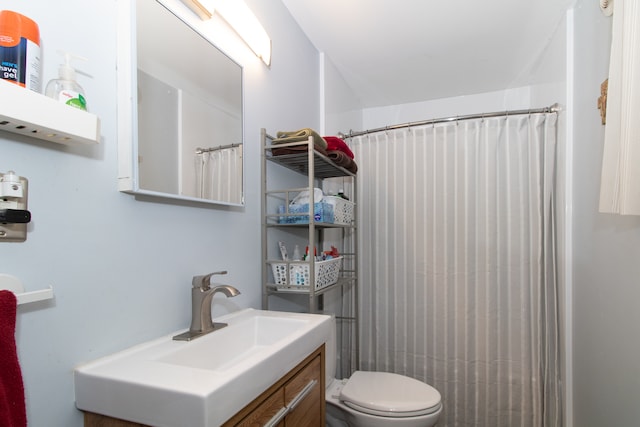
[336, 144]
[12, 408]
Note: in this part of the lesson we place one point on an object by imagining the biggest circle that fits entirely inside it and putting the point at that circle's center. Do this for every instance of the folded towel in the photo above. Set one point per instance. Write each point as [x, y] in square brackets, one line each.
[342, 160]
[295, 149]
[336, 144]
[301, 135]
[12, 407]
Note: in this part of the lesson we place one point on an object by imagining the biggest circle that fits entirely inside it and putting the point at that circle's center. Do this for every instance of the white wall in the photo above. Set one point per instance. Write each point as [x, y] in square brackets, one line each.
[340, 107]
[121, 268]
[508, 99]
[606, 251]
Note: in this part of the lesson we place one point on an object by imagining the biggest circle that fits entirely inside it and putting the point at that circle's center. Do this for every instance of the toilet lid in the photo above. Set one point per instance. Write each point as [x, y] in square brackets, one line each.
[389, 395]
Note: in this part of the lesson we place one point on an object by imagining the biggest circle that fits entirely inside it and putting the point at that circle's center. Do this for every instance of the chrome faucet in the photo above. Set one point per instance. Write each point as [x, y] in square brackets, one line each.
[201, 298]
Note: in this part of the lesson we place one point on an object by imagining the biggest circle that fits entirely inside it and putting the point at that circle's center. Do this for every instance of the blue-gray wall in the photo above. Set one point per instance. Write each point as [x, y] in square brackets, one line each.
[606, 290]
[121, 269]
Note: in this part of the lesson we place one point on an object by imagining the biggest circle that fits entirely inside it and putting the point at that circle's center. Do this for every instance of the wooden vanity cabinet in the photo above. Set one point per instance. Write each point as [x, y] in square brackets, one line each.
[297, 399]
[97, 420]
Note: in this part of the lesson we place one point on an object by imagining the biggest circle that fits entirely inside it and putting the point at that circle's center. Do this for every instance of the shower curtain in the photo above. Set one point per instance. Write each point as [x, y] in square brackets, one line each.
[219, 174]
[458, 275]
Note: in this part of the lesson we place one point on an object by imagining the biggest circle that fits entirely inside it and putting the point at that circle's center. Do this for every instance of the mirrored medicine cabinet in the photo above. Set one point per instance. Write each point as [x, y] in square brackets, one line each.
[180, 112]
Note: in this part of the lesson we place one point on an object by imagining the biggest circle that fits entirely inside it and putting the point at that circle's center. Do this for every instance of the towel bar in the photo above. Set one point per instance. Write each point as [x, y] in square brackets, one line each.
[14, 285]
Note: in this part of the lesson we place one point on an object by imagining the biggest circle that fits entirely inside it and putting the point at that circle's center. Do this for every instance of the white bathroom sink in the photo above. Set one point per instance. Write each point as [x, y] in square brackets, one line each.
[200, 383]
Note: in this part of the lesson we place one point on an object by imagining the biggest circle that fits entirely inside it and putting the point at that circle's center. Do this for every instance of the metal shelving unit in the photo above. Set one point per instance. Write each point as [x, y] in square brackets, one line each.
[316, 167]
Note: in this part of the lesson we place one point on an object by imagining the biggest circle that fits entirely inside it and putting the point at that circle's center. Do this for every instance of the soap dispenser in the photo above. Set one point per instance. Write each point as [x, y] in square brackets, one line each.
[65, 88]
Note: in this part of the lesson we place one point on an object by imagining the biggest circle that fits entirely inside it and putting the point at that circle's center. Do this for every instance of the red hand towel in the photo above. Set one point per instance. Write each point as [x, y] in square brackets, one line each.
[336, 144]
[12, 408]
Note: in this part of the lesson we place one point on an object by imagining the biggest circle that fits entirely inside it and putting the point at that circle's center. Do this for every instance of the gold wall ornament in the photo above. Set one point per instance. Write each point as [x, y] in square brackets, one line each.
[602, 101]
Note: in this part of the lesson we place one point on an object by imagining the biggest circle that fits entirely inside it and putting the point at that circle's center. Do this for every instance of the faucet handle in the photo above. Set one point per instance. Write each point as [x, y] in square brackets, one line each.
[218, 272]
[204, 282]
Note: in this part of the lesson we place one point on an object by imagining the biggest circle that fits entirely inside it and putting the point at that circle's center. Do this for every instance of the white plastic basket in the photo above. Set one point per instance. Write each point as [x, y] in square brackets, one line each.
[343, 210]
[326, 273]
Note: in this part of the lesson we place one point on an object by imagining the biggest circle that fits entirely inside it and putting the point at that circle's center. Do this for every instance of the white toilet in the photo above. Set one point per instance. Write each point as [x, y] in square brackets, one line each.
[378, 399]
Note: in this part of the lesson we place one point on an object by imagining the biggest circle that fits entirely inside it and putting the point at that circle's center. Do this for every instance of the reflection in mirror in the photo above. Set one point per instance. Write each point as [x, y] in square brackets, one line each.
[189, 113]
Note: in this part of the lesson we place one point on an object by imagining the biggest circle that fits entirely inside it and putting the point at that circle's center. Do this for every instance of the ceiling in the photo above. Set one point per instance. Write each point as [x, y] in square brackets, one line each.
[402, 51]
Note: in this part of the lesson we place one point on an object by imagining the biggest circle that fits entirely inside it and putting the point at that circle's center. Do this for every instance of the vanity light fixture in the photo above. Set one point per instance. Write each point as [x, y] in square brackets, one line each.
[198, 9]
[238, 15]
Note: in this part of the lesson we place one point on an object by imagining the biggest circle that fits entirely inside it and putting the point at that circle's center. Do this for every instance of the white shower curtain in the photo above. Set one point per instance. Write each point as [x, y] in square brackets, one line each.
[619, 189]
[219, 174]
[458, 272]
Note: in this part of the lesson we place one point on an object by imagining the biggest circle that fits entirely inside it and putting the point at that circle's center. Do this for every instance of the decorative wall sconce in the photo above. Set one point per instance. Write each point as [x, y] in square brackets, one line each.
[238, 15]
[602, 101]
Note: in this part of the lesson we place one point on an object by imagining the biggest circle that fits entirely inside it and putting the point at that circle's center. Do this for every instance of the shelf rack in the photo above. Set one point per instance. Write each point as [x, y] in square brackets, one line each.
[28, 113]
[321, 166]
[316, 167]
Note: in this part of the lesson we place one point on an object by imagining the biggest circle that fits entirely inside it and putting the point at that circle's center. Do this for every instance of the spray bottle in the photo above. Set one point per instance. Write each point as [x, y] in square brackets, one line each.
[65, 88]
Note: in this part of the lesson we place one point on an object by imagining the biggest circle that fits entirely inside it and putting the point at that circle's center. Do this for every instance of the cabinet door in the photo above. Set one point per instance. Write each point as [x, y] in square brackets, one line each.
[266, 411]
[296, 400]
[303, 395]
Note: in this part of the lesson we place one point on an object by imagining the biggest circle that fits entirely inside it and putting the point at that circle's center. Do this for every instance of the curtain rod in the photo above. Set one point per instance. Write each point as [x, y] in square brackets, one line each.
[555, 108]
[221, 147]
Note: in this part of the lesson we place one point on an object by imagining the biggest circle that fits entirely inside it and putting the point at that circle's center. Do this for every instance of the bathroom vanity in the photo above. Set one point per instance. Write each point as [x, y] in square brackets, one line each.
[297, 399]
[264, 365]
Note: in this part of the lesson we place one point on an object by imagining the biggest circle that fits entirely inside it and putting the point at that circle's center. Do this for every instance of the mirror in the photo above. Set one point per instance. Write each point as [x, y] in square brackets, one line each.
[180, 109]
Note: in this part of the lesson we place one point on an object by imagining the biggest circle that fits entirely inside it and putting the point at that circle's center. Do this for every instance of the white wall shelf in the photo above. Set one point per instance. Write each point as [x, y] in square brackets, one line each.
[32, 114]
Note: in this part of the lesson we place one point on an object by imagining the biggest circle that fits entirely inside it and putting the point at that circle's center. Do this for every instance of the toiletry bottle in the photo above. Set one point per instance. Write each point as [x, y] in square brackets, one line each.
[20, 50]
[283, 251]
[296, 253]
[65, 88]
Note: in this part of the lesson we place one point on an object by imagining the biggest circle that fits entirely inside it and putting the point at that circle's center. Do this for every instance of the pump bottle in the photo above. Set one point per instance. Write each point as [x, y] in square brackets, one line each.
[65, 88]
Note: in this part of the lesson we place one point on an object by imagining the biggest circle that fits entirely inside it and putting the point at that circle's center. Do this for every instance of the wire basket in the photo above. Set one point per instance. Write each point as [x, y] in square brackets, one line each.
[326, 273]
[343, 210]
